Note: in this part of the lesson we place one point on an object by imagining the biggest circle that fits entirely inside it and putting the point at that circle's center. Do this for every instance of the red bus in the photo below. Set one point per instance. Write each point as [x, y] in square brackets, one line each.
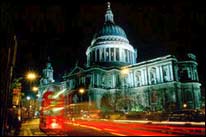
[52, 110]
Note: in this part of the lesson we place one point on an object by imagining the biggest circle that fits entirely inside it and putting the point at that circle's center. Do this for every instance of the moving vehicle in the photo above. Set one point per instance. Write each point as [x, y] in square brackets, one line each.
[52, 111]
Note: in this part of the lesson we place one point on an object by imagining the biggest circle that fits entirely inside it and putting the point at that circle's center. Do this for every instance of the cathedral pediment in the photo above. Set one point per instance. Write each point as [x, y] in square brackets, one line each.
[76, 69]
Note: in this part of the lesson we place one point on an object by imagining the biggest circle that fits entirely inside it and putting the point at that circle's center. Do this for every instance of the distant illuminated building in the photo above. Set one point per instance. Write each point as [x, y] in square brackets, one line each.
[115, 81]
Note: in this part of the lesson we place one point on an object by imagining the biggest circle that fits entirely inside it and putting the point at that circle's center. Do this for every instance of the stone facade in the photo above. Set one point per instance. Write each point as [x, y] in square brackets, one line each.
[156, 84]
[115, 81]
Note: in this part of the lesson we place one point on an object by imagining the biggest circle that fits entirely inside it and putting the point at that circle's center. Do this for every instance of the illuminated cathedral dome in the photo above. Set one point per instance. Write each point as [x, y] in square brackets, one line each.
[110, 28]
[110, 46]
[109, 31]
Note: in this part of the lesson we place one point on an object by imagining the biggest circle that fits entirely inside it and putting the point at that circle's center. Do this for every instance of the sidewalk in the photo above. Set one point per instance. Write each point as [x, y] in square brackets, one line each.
[31, 128]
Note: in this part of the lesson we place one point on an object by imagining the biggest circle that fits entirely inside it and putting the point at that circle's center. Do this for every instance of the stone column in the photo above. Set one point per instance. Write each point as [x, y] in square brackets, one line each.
[132, 56]
[105, 55]
[129, 79]
[142, 77]
[90, 100]
[158, 74]
[95, 54]
[179, 99]
[98, 100]
[145, 76]
[114, 54]
[120, 55]
[126, 54]
[170, 72]
[192, 72]
[92, 79]
[113, 80]
[161, 75]
[134, 79]
[100, 54]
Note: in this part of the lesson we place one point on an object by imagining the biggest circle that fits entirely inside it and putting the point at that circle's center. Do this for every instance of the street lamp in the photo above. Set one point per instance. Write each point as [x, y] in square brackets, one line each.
[184, 105]
[81, 91]
[124, 73]
[35, 88]
[31, 76]
[17, 90]
[28, 98]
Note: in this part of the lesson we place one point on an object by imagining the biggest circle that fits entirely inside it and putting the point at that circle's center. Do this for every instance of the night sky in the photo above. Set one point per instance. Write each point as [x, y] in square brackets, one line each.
[64, 30]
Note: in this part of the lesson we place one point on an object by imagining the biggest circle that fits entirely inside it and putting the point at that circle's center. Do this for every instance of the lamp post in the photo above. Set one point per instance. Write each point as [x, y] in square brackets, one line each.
[124, 73]
[184, 105]
[30, 76]
[81, 91]
[35, 89]
[28, 105]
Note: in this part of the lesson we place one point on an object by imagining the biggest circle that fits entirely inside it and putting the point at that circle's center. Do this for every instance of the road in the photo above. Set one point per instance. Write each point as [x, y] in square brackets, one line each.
[31, 128]
[113, 128]
[137, 128]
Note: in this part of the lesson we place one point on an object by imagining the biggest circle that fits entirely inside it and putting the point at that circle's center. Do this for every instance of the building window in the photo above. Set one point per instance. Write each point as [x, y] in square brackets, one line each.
[183, 75]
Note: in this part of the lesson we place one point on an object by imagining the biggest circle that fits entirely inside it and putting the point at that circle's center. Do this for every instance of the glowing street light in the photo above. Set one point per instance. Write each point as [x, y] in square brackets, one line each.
[184, 105]
[124, 71]
[31, 76]
[81, 90]
[28, 97]
[35, 88]
[124, 74]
